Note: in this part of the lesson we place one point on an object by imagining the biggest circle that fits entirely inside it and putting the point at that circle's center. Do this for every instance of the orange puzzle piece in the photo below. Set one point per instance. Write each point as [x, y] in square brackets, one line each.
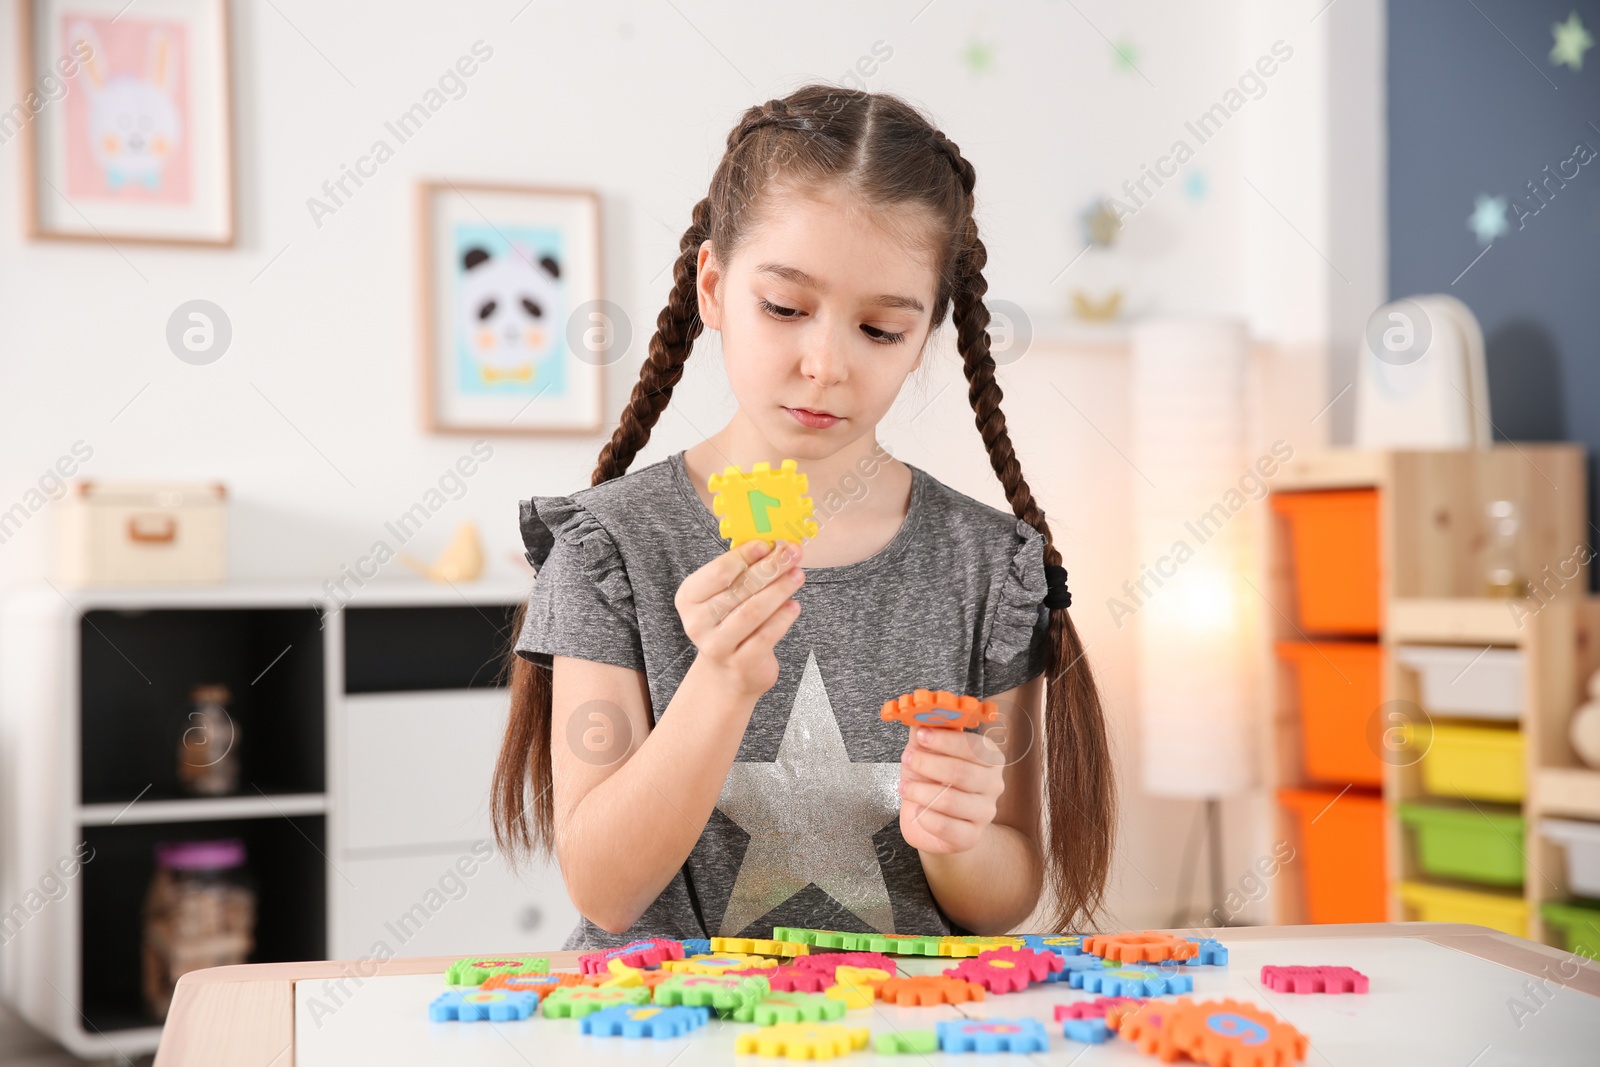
[1233, 1033]
[1146, 946]
[926, 707]
[1144, 1025]
[928, 989]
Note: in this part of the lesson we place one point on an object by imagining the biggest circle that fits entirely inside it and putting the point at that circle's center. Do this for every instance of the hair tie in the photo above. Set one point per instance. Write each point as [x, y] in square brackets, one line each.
[1058, 596]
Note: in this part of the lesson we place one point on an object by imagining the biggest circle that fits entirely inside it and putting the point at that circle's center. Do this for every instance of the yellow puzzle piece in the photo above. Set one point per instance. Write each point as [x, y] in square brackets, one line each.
[971, 945]
[763, 504]
[622, 976]
[759, 946]
[716, 963]
[803, 1041]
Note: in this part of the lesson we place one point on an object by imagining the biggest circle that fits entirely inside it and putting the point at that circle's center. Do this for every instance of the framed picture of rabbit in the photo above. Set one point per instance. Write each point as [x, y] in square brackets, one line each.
[125, 121]
[515, 332]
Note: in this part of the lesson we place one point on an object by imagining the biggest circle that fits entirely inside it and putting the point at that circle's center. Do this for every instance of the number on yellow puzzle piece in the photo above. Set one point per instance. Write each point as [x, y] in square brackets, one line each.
[763, 504]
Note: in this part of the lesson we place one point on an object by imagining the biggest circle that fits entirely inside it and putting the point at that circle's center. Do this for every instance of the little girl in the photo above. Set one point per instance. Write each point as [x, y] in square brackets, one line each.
[695, 731]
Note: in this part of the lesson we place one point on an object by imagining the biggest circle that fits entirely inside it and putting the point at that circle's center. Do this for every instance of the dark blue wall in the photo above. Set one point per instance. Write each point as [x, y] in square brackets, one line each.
[1470, 115]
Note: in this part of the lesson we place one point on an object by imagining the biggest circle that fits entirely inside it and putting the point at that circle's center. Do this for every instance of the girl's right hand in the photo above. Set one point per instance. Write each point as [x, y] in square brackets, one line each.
[736, 607]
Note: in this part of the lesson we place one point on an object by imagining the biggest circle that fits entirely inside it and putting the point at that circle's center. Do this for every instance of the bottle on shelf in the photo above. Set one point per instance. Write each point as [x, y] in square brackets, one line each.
[1502, 576]
[208, 757]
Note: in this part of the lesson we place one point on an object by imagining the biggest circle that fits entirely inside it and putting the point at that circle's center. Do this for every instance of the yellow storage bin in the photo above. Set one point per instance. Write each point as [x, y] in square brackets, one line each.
[1447, 904]
[1481, 762]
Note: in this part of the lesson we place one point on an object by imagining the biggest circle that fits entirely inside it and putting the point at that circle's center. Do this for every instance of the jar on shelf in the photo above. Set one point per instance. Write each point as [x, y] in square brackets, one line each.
[200, 911]
[1502, 575]
[208, 757]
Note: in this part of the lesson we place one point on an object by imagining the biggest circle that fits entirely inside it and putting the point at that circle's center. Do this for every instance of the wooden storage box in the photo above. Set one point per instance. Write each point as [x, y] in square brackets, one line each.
[143, 534]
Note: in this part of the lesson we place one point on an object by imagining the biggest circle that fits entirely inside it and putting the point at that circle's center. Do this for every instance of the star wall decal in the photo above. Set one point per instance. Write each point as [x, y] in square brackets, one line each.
[1572, 41]
[1488, 218]
[811, 816]
[979, 56]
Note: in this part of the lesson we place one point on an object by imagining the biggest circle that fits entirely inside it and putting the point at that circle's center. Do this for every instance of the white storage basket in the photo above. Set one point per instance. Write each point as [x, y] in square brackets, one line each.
[143, 534]
[1471, 682]
[1582, 842]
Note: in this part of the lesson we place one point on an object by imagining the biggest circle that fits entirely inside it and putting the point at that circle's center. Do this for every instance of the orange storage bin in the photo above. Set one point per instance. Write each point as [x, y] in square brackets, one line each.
[1340, 685]
[1333, 538]
[1340, 854]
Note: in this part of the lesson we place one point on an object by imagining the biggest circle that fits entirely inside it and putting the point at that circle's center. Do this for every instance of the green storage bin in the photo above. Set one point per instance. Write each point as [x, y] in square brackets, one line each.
[1473, 844]
[1579, 925]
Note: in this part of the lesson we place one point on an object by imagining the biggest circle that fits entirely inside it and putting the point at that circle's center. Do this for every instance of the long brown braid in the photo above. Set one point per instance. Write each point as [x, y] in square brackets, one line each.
[885, 151]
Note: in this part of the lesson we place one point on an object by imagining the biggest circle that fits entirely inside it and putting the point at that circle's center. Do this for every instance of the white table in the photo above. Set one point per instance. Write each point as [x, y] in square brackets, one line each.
[1439, 994]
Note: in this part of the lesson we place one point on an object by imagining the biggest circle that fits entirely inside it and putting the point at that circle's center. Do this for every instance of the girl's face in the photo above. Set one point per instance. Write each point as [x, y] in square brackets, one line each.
[823, 313]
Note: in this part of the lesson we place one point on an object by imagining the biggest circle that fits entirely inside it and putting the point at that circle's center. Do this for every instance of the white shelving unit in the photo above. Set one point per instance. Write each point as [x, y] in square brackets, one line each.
[367, 749]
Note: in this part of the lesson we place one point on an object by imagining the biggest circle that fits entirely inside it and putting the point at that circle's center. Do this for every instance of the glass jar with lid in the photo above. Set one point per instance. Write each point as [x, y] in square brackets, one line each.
[199, 911]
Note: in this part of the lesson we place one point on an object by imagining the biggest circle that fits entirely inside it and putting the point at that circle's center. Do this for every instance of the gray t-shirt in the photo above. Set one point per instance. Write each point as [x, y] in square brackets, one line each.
[806, 831]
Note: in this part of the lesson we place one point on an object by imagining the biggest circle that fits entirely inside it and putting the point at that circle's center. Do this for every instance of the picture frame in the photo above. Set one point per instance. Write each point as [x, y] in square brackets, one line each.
[515, 330]
[126, 121]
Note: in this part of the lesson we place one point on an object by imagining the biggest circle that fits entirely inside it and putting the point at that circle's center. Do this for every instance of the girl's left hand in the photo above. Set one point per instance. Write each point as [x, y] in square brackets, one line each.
[950, 782]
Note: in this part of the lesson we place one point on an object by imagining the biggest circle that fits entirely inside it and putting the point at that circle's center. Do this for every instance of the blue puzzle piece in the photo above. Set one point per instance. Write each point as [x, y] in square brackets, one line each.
[498, 1005]
[1089, 1031]
[1072, 964]
[1212, 952]
[644, 1020]
[1131, 982]
[992, 1035]
[696, 946]
[1060, 944]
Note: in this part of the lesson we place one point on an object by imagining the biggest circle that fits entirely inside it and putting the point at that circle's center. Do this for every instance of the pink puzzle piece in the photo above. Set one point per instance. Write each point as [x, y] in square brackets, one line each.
[1007, 970]
[1313, 979]
[1093, 1009]
[828, 962]
[791, 979]
[643, 955]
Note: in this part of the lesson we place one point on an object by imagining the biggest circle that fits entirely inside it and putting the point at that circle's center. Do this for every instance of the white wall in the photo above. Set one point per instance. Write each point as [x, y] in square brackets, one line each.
[311, 417]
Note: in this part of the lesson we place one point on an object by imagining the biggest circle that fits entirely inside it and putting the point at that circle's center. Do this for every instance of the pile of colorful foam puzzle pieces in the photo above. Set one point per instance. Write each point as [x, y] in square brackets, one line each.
[798, 987]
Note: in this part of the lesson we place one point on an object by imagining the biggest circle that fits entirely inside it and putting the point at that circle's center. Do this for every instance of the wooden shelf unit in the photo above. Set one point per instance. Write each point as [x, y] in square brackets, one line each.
[1433, 546]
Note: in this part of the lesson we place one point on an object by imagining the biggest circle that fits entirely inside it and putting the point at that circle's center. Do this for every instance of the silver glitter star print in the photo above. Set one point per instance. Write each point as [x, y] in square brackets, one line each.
[811, 816]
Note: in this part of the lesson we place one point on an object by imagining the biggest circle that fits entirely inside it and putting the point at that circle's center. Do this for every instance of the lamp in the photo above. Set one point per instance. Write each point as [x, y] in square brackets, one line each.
[1191, 604]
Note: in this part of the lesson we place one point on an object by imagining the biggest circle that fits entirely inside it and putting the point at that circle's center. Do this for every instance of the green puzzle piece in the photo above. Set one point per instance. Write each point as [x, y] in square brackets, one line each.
[847, 942]
[816, 938]
[907, 1041]
[780, 1007]
[476, 970]
[797, 934]
[574, 1002]
[713, 991]
[897, 946]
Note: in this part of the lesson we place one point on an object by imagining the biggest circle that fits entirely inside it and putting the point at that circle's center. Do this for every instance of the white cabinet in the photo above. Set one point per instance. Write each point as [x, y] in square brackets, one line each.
[424, 905]
[367, 737]
[417, 766]
[417, 867]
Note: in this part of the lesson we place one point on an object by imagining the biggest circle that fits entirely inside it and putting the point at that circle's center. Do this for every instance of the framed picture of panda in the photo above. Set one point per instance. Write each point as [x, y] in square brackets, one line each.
[125, 121]
[516, 332]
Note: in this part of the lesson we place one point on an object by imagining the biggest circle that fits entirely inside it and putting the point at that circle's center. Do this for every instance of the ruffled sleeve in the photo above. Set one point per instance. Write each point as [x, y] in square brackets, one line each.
[1019, 633]
[582, 601]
